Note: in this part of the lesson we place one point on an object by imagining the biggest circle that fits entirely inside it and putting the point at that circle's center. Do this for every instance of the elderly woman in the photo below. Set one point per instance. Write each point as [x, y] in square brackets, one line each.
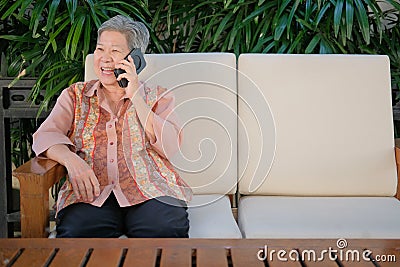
[114, 143]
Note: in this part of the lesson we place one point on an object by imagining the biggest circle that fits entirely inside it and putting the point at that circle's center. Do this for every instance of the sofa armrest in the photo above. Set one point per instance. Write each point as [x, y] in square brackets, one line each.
[397, 153]
[36, 177]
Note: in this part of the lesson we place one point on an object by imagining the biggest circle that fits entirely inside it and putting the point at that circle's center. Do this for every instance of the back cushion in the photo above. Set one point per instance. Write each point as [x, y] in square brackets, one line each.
[315, 125]
[204, 85]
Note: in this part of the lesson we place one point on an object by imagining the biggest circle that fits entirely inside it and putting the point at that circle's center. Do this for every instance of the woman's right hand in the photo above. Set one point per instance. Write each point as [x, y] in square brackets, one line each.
[84, 181]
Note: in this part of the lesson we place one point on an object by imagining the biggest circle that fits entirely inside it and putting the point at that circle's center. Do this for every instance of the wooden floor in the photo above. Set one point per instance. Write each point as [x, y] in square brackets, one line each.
[198, 252]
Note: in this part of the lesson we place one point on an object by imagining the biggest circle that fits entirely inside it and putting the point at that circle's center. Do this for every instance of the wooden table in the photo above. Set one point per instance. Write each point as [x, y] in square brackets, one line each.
[197, 252]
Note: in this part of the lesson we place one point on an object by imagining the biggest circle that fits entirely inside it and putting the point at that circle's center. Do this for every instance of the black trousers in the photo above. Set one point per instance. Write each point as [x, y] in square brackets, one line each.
[159, 217]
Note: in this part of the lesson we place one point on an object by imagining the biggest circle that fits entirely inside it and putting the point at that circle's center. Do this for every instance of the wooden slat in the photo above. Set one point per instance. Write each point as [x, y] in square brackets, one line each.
[105, 257]
[177, 252]
[278, 263]
[69, 257]
[243, 257]
[356, 264]
[33, 257]
[206, 257]
[144, 257]
[7, 255]
[325, 263]
[177, 257]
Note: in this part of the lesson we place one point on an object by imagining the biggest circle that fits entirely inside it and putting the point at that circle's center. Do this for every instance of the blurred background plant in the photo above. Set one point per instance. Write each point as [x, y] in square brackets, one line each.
[49, 39]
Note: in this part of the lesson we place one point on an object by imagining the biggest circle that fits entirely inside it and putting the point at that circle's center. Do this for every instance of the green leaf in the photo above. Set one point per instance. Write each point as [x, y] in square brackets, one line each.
[337, 17]
[260, 43]
[77, 35]
[281, 26]
[169, 15]
[321, 13]
[260, 2]
[227, 3]
[309, 7]
[349, 18]
[269, 47]
[3, 3]
[87, 36]
[72, 6]
[51, 17]
[290, 18]
[362, 17]
[24, 5]
[235, 30]
[222, 26]
[253, 15]
[12, 9]
[192, 36]
[24, 38]
[69, 40]
[117, 7]
[282, 48]
[54, 35]
[343, 33]
[248, 34]
[282, 7]
[36, 16]
[296, 42]
[313, 43]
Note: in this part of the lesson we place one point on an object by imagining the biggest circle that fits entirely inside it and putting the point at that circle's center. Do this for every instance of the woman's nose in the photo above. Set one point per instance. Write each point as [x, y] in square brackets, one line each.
[106, 57]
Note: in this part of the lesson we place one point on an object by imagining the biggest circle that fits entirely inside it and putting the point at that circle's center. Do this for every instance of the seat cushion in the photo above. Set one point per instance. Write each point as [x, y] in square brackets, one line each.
[210, 216]
[315, 125]
[319, 217]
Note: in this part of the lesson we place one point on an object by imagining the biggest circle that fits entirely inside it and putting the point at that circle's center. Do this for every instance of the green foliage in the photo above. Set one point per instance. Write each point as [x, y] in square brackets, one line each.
[50, 38]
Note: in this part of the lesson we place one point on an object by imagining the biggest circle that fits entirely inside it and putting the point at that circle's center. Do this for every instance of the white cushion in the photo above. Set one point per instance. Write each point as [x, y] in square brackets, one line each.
[316, 125]
[319, 217]
[210, 216]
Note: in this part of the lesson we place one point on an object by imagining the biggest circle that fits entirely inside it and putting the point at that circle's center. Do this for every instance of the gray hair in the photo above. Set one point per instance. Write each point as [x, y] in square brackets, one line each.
[135, 32]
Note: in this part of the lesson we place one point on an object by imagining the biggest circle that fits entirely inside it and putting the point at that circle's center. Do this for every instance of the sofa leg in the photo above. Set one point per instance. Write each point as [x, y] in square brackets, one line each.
[34, 202]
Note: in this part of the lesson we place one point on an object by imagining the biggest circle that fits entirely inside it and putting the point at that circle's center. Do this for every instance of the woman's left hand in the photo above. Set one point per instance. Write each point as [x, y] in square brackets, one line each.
[130, 75]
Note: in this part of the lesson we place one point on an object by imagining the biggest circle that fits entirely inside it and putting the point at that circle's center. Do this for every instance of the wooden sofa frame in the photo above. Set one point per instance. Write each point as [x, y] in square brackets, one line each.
[37, 176]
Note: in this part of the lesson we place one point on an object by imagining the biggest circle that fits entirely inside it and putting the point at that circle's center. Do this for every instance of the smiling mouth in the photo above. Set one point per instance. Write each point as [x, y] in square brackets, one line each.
[107, 70]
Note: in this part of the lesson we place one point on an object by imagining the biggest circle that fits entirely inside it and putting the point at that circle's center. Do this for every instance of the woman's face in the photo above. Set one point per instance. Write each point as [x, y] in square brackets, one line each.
[111, 48]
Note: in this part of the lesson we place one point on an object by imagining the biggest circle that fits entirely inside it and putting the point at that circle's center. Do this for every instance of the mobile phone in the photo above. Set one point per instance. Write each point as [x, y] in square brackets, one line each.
[139, 62]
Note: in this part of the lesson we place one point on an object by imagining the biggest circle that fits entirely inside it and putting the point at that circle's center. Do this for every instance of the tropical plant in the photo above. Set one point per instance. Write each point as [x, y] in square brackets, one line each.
[56, 37]
[389, 44]
[297, 26]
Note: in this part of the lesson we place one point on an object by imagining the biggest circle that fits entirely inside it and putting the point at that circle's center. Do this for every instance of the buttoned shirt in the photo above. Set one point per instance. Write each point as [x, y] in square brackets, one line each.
[133, 175]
